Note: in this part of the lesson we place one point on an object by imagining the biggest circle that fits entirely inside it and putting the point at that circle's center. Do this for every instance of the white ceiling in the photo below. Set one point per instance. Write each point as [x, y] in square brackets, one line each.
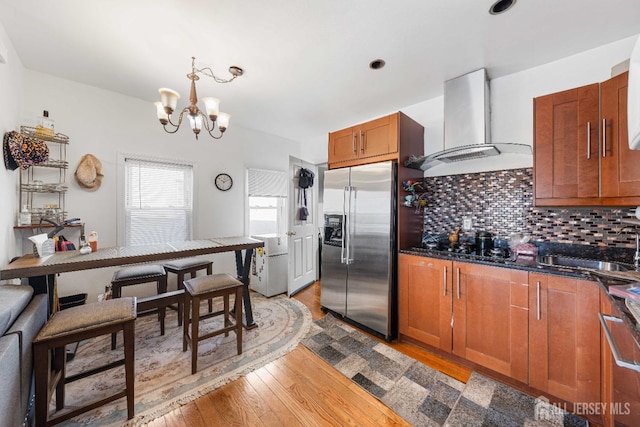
[306, 62]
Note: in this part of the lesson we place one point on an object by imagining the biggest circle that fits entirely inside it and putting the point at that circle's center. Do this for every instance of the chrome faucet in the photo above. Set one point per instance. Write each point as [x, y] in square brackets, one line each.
[636, 256]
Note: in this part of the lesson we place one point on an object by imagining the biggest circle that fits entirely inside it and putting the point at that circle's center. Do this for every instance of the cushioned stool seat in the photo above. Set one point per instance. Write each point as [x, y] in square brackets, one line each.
[70, 326]
[183, 266]
[136, 275]
[139, 272]
[205, 287]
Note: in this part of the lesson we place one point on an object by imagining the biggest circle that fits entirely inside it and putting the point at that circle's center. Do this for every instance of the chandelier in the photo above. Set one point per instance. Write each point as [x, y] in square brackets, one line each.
[197, 119]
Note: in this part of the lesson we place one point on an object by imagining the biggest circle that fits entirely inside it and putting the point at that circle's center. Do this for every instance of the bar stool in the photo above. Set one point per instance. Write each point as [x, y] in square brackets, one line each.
[205, 287]
[190, 266]
[70, 326]
[136, 275]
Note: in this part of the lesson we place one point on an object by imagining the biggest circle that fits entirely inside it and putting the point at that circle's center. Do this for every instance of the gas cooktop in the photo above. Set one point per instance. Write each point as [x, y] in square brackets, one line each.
[466, 251]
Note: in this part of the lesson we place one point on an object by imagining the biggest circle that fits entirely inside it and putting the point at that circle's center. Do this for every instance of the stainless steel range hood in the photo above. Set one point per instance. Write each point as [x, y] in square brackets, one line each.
[467, 125]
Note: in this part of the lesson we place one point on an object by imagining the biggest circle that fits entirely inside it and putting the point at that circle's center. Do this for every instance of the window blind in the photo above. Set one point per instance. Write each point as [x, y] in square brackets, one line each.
[158, 201]
[267, 183]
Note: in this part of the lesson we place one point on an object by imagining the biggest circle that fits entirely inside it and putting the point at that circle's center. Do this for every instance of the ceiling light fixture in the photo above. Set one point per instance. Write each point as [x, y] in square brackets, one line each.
[501, 6]
[169, 100]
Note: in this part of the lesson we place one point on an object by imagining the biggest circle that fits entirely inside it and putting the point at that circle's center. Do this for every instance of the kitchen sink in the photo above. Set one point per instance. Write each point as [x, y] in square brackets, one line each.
[580, 263]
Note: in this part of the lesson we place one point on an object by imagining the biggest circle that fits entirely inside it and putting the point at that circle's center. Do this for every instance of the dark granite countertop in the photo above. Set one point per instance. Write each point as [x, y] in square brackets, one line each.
[522, 263]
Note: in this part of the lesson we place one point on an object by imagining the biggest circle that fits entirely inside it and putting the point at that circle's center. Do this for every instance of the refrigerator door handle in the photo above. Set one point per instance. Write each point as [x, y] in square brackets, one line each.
[343, 259]
[349, 227]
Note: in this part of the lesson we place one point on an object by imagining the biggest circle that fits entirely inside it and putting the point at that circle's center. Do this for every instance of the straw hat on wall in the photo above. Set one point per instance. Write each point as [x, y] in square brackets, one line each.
[89, 172]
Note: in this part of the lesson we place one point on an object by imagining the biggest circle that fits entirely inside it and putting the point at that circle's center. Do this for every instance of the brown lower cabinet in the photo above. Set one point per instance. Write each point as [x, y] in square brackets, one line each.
[620, 385]
[539, 329]
[490, 317]
[425, 300]
[564, 338]
[477, 312]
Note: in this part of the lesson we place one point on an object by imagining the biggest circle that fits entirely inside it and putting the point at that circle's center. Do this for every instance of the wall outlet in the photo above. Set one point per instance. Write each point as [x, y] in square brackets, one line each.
[466, 223]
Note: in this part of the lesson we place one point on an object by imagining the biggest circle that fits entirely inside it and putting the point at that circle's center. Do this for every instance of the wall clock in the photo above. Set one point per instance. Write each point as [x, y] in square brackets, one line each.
[223, 182]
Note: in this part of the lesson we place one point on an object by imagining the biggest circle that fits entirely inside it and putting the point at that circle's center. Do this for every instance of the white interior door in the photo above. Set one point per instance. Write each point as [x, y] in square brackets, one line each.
[302, 234]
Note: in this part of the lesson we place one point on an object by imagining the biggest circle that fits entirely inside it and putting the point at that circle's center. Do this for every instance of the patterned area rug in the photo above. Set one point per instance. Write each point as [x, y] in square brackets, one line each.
[424, 396]
[163, 371]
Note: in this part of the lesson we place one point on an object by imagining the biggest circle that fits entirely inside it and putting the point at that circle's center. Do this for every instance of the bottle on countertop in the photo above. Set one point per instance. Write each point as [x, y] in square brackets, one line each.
[25, 216]
[93, 241]
[45, 125]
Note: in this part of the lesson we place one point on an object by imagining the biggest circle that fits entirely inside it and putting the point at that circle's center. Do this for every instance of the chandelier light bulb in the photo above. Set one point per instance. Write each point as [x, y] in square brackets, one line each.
[161, 112]
[212, 105]
[223, 121]
[169, 99]
[195, 122]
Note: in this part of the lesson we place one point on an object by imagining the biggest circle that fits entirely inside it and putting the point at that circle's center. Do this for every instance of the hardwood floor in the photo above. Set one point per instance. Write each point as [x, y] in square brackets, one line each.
[298, 389]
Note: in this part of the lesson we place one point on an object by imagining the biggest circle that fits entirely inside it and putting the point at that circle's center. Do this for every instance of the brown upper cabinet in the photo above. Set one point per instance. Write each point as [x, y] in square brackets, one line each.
[620, 174]
[372, 139]
[386, 138]
[566, 146]
[394, 137]
[581, 150]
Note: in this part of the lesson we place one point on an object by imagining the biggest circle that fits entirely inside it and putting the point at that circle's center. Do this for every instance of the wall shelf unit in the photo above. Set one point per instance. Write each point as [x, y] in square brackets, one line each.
[43, 187]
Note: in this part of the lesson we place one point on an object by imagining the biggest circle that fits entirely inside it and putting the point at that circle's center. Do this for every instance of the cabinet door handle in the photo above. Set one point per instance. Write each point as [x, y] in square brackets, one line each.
[354, 143]
[444, 287]
[604, 137]
[362, 141]
[458, 282]
[588, 140]
[629, 364]
[538, 298]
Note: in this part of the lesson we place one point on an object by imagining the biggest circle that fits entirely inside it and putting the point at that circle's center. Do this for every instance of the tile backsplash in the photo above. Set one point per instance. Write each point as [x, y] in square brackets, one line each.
[502, 202]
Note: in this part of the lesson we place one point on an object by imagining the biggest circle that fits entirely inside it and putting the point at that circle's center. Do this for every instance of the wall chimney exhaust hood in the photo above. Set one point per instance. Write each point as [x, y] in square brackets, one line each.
[467, 125]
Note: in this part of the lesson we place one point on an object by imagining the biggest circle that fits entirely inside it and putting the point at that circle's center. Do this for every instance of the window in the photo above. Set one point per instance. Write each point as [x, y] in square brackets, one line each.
[158, 201]
[267, 201]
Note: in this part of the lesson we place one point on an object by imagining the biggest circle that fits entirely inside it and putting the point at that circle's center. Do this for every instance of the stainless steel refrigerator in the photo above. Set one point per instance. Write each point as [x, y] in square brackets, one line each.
[359, 246]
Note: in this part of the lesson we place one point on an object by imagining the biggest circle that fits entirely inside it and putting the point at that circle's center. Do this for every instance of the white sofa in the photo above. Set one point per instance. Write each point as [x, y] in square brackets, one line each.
[21, 316]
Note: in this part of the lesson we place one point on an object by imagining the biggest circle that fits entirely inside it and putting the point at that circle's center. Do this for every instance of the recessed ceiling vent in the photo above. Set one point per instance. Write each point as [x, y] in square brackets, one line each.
[377, 64]
[501, 6]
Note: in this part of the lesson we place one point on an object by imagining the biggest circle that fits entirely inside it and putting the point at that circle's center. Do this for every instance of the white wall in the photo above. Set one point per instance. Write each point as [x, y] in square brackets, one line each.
[10, 106]
[105, 123]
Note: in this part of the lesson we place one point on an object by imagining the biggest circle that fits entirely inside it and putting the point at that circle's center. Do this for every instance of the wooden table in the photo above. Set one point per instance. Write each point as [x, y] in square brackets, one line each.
[63, 262]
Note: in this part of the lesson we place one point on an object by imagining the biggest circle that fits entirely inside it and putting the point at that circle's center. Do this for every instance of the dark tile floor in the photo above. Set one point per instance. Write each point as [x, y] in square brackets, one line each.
[422, 395]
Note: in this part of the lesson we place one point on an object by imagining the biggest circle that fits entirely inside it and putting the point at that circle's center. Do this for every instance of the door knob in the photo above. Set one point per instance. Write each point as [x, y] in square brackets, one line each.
[291, 233]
